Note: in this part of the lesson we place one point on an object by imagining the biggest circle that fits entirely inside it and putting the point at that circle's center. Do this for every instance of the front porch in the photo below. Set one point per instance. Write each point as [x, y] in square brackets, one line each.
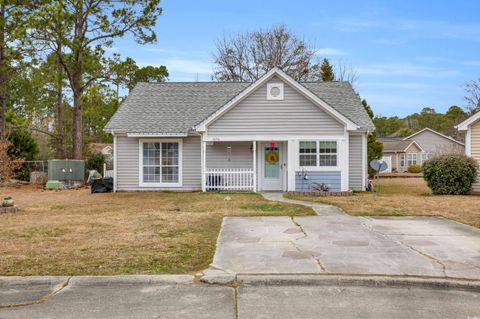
[267, 165]
[248, 166]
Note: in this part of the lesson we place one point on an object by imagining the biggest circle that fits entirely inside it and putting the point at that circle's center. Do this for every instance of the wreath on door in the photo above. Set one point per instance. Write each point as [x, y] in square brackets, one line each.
[271, 157]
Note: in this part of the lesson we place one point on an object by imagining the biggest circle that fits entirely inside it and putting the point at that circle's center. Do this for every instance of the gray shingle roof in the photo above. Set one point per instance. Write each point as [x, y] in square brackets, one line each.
[170, 108]
[395, 146]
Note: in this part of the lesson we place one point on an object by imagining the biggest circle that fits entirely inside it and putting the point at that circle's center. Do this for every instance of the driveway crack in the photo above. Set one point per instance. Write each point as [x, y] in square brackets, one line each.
[299, 227]
[439, 262]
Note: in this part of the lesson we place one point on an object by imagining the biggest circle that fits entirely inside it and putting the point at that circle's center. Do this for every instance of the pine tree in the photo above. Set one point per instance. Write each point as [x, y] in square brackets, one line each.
[374, 147]
[326, 70]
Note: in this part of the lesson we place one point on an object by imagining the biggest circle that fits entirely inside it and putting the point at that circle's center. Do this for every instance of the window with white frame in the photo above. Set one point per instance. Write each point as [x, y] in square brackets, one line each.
[160, 163]
[402, 159]
[425, 157]
[318, 153]
[411, 158]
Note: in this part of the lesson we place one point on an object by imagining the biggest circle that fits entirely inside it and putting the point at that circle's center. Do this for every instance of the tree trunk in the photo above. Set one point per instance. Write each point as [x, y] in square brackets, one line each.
[61, 151]
[3, 71]
[77, 115]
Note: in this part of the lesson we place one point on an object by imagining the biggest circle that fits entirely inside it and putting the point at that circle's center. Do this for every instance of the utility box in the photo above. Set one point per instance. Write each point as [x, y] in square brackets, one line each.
[70, 172]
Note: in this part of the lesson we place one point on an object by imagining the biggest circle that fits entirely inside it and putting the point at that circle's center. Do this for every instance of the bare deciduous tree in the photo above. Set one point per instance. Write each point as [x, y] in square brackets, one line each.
[246, 57]
[345, 71]
[472, 95]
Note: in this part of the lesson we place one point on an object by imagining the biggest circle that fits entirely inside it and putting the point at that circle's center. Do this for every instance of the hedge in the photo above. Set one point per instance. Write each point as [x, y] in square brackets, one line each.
[452, 174]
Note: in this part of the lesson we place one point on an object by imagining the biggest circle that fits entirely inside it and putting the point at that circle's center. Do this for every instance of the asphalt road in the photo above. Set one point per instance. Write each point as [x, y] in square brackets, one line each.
[255, 297]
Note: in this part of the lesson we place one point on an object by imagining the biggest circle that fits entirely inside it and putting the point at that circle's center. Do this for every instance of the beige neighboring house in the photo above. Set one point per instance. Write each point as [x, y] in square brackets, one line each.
[471, 127]
[400, 154]
[435, 143]
[104, 148]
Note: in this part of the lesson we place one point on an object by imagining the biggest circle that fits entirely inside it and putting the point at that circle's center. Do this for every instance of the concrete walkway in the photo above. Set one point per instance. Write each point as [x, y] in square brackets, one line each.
[248, 297]
[335, 242]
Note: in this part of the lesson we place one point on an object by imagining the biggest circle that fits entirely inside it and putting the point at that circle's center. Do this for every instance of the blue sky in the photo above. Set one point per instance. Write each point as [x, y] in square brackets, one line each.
[408, 54]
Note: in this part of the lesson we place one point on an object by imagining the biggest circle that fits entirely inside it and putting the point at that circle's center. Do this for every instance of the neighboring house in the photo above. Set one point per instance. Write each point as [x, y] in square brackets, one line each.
[435, 143]
[274, 134]
[471, 127]
[401, 152]
[104, 148]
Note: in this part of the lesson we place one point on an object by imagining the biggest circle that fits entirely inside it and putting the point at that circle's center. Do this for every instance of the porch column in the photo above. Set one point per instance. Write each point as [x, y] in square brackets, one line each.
[254, 148]
[115, 146]
[203, 153]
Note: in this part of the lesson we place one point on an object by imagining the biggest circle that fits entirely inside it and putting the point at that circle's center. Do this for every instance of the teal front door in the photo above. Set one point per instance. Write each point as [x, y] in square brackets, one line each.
[272, 164]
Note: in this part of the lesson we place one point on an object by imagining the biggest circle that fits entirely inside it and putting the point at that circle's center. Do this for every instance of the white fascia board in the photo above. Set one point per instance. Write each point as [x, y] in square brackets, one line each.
[413, 142]
[266, 138]
[157, 135]
[301, 89]
[465, 124]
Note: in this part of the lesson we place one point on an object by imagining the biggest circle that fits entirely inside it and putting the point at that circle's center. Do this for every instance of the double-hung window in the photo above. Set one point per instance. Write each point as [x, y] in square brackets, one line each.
[160, 163]
[402, 159]
[318, 153]
[425, 157]
[411, 158]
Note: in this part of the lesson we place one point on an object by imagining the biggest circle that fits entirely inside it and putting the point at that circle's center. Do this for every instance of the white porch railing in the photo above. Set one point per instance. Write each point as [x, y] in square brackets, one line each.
[229, 179]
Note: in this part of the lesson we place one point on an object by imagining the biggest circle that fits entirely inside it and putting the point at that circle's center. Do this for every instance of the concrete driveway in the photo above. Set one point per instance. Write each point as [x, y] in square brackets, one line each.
[334, 242]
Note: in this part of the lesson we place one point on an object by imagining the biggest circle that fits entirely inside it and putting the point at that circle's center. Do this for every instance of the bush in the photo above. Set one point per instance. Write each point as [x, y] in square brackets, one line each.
[95, 161]
[451, 174]
[414, 168]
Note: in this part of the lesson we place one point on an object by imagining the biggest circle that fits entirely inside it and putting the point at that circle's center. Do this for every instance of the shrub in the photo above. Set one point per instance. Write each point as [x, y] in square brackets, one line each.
[95, 161]
[451, 174]
[414, 168]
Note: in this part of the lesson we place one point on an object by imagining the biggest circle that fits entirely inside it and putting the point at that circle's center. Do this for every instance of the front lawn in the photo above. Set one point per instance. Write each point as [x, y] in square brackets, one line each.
[406, 197]
[72, 232]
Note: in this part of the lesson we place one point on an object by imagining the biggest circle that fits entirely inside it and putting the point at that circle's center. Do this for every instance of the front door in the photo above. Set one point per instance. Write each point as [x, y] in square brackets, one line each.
[272, 167]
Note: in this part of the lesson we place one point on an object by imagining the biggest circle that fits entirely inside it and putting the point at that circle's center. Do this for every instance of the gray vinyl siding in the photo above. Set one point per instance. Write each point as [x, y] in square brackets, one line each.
[241, 155]
[435, 144]
[355, 163]
[475, 151]
[331, 179]
[128, 164]
[295, 115]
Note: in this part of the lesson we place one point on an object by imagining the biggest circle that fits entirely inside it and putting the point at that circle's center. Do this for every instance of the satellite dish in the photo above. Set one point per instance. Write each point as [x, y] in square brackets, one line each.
[379, 165]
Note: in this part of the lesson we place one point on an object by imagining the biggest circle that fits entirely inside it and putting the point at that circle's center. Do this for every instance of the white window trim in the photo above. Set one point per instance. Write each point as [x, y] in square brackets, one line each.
[318, 168]
[410, 161]
[141, 183]
[403, 158]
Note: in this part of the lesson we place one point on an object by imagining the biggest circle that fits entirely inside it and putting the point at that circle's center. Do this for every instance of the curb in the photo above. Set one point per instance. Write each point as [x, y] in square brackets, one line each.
[131, 279]
[9, 281]
[361, 281]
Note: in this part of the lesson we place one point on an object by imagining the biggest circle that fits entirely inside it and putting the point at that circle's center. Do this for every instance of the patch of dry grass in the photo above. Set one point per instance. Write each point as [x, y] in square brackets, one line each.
[406, 197]
[73, 232]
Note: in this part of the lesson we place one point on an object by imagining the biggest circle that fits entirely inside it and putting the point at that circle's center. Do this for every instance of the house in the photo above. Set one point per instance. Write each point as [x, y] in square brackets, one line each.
[105, 148]
[471, 127]
[275, 134]
[401, 152]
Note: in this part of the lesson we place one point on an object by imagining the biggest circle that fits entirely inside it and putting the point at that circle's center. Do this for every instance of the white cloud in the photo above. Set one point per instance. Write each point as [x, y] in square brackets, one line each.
[330, 52]
[405, 69]
[189, 66]
[414, 28]
[400, 85]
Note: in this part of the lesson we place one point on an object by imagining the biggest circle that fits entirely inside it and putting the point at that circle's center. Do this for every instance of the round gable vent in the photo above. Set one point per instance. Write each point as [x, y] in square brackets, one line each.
[275, 91]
